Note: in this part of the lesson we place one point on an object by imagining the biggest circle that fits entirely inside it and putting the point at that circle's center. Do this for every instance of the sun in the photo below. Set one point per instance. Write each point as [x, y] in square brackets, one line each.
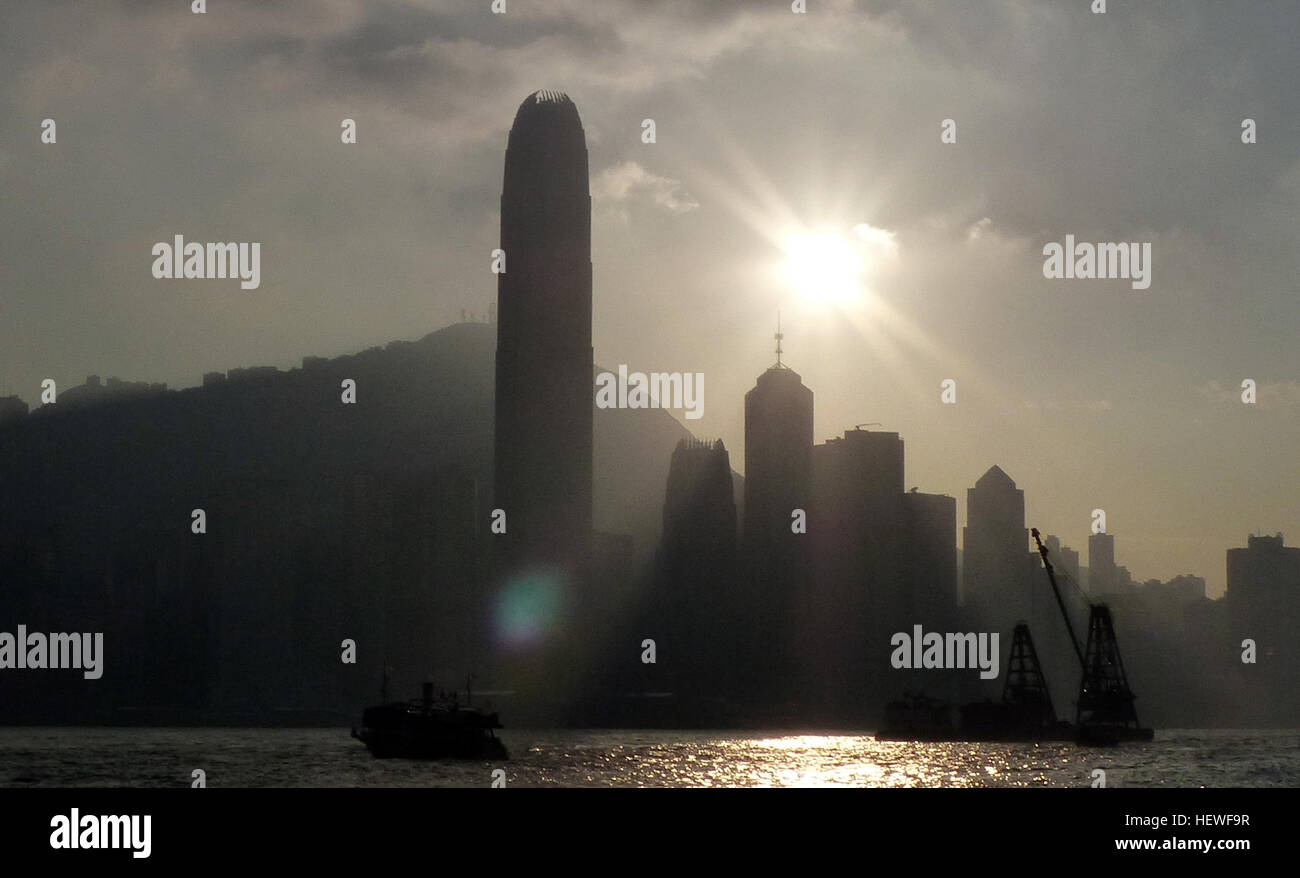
[823, 267]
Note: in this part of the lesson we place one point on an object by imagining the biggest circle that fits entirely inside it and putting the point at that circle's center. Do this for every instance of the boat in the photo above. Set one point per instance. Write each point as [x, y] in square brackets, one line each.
[1025, 712]
[1105, 713]
[430, 728]
[1013, 723]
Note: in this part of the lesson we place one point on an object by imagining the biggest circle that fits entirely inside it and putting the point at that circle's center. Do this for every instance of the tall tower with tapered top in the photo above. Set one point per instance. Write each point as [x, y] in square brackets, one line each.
[778, 481]
[544, 378]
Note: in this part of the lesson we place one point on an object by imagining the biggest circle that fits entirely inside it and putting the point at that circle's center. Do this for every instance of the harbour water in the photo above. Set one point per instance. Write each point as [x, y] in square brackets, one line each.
[162, 757]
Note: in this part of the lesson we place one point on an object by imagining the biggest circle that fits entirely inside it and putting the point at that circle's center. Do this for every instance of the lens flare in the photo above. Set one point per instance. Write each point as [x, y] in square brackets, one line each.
[527, 607]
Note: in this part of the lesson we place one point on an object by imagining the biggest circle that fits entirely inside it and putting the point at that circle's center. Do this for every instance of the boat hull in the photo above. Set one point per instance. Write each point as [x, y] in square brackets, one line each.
[409, 744]
[424, 731]
[930, 720]
[1110, 736]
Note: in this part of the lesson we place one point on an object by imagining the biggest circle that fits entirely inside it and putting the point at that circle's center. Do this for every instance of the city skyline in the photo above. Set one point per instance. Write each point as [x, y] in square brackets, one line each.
[93, 391]
[541, 394]
[768, 127]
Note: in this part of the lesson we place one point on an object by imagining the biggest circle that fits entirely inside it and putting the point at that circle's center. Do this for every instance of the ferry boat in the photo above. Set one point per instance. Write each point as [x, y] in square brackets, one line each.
[430, 728]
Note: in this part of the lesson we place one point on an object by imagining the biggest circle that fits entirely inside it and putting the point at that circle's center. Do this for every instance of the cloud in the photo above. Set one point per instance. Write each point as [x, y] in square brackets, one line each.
[628, 181]
[979, 229]
[877, 242]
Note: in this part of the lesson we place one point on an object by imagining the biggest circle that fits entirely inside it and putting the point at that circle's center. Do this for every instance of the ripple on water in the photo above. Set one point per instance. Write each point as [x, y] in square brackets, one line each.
[635, 758]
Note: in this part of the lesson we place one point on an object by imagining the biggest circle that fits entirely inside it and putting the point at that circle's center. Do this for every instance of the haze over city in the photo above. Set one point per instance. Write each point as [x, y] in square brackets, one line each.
[784, 144]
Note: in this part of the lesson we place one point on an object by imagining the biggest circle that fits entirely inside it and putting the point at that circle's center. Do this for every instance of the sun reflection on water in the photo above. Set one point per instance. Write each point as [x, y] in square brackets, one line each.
[805, 760]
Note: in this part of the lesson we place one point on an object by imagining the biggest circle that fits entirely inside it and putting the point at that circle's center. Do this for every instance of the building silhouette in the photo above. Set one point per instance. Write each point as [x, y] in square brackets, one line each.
[778, 481]
[929, 554]
[1263, 576]
[1064, 559]
[695, 599]
[857, 537]
[12, 408]
[884, 561]
[1263, 606]
[1103, 576]
[997, 567]
[544, 372]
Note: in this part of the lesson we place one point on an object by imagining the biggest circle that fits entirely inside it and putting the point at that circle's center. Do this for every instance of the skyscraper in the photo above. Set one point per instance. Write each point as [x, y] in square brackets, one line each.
[997, 567]
[778, 481]
[856, 535]
[1102, 575]
[884, 561]
[544, 373]
[929, 554]
[1263, 597]
[695, 599]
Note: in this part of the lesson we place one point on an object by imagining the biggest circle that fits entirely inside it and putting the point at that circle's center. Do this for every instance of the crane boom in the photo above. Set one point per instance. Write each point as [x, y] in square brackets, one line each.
[1060, 602]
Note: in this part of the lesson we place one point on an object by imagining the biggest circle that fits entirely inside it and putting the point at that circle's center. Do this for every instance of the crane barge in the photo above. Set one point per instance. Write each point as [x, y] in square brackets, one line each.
[1104, 711]
[1105, 714]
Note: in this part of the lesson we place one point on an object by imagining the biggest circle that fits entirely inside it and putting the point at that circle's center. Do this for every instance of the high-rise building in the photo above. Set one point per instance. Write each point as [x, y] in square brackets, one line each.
[1103, 577]
[927, 595]
[1263, 604]
[858, 597]
[930, 559]
[1263, 595]
[997, 566]
[883, 561]
[778, 481]
[695, 605]
[544, 371]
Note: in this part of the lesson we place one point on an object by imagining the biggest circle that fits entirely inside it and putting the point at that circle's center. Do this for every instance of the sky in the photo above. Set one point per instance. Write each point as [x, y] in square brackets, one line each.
[772, 128]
